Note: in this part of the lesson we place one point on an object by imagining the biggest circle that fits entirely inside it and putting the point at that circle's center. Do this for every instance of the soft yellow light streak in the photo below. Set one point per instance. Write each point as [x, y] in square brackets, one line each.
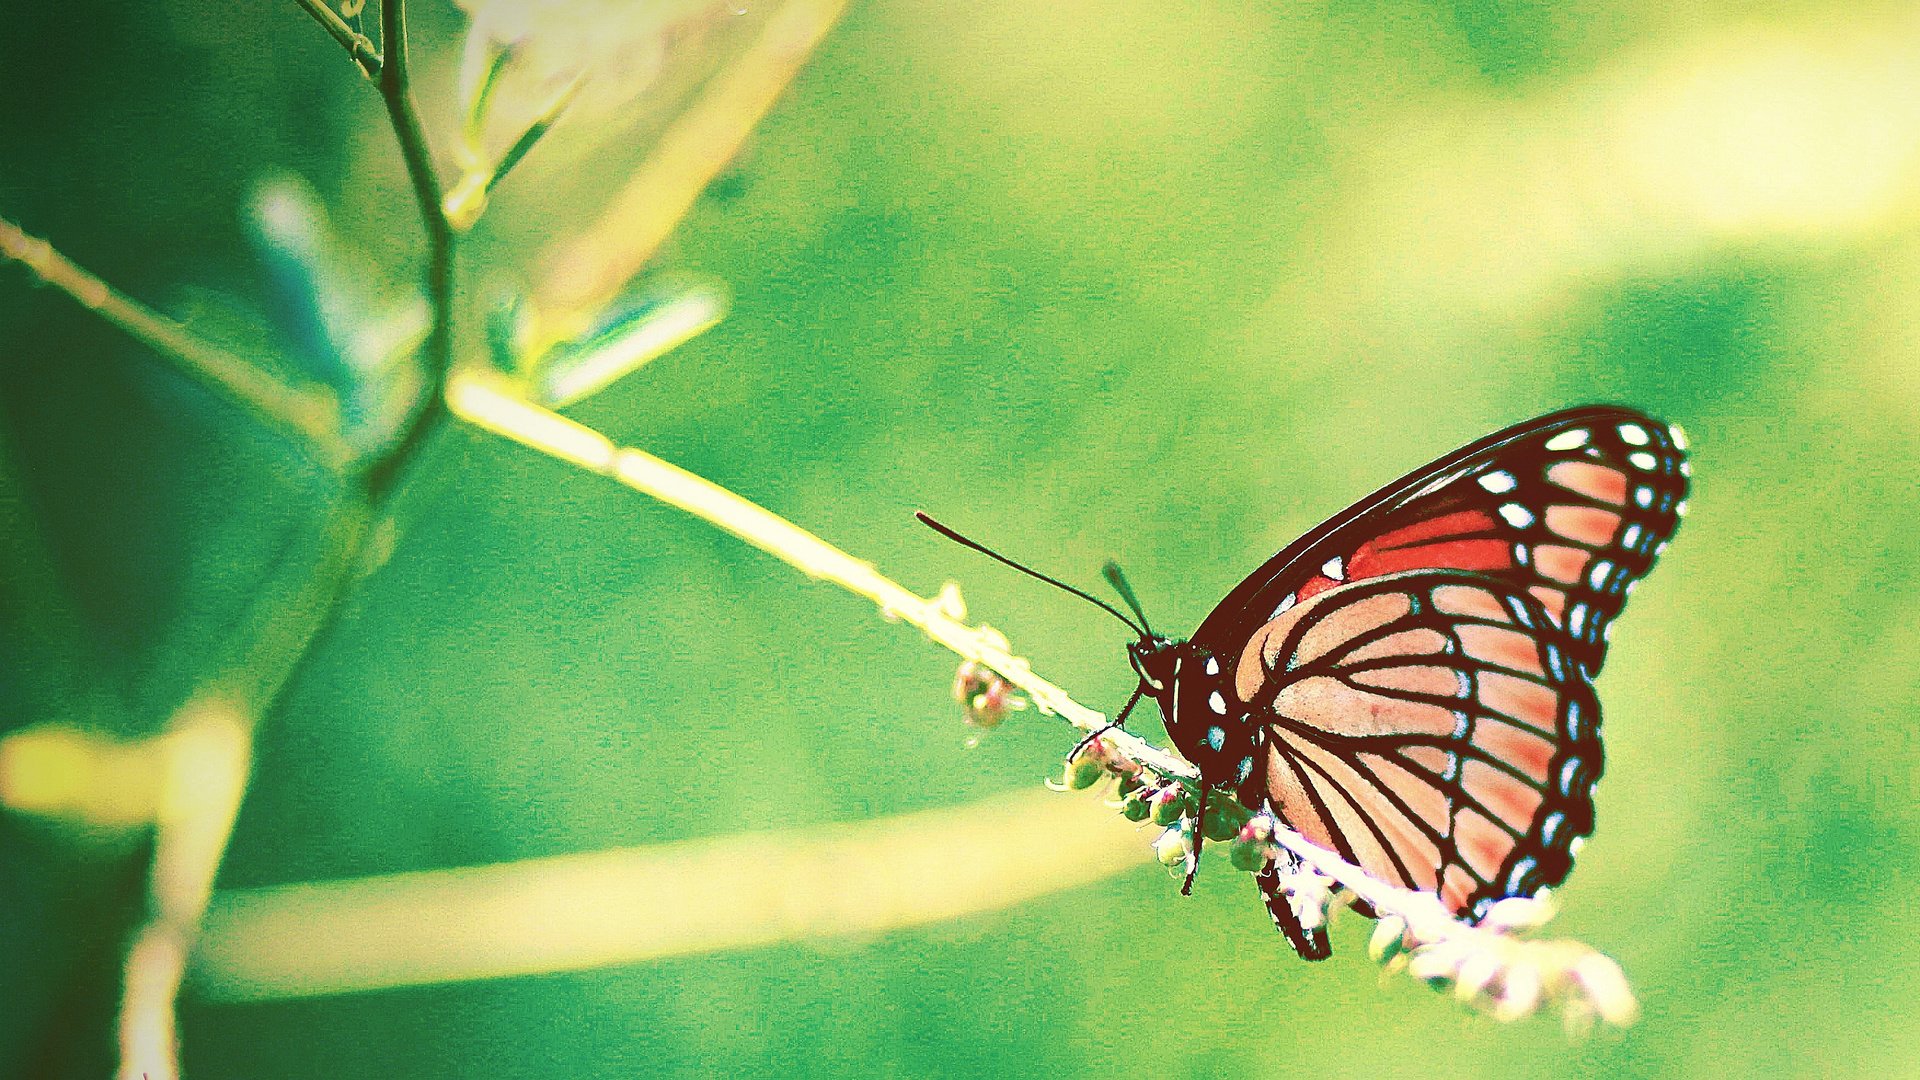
[576, 912]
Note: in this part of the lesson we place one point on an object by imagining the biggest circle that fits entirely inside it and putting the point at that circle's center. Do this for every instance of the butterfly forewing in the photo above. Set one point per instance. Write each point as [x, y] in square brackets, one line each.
[1433, 727]
[1572, 507]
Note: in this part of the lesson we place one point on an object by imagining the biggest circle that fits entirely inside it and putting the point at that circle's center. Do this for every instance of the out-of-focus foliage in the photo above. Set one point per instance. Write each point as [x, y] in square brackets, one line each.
[1163, 282]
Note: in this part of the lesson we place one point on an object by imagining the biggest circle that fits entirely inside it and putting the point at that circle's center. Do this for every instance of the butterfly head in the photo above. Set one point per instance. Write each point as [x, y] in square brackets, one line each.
[1157, 661]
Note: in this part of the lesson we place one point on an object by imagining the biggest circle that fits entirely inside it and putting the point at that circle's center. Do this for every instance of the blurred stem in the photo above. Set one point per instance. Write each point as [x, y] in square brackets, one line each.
[358, 47]
[308, 412]
[206, 758]
[208, 777]
[590, 269]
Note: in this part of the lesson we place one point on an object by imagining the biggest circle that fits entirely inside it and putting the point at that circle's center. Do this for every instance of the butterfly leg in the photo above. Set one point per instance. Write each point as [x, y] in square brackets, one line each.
[1199, 838]
[1119, 720]
[1310, 944]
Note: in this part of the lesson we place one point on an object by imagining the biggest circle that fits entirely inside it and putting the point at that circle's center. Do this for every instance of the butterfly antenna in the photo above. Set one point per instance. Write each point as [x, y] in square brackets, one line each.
[1118, 580]
[1027, 570]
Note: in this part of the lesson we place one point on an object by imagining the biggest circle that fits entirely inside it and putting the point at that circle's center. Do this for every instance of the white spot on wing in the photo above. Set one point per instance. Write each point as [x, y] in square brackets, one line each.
[1216, 735]
[1213, 666]
[1643, 460]
[1568, 773]
[1334, 568]
[1551, 826]
[1598, 576]
[1633, 434]
[1217, 704]
[1631, 538]
[1497, 482]
[1517, 516]
[1285, 604]
[1680, 508]
[1679, 437]
[1643, 496]
[1567, 440]
[1686, 467]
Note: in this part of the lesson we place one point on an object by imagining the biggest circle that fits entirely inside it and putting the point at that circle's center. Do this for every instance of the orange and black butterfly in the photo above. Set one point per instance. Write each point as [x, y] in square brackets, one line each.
[1410, 683]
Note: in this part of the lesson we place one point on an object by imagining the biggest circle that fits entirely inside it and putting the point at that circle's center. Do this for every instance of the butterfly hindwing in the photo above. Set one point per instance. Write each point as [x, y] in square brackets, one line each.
[1433, 727]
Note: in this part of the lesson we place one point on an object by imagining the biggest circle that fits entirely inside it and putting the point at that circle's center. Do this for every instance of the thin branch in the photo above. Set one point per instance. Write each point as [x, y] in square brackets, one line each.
[308, 411]
[488, 402]
[687, 897]
[358, 47]
[437, 351]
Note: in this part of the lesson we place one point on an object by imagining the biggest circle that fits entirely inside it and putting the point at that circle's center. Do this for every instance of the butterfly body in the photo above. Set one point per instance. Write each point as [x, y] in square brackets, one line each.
[1194, 689]
[1409, 683]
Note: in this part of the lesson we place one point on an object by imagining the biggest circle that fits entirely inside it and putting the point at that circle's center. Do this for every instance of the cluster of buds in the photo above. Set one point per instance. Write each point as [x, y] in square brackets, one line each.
[985, 697]
[1490, 964]
[1493, 967]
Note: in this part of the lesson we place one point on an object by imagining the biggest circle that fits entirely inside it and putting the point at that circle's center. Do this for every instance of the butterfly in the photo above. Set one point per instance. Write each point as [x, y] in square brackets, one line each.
[1410, 683]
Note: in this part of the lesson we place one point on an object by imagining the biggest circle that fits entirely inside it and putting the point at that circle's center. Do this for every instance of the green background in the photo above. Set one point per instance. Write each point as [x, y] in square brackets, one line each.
[1162, 282]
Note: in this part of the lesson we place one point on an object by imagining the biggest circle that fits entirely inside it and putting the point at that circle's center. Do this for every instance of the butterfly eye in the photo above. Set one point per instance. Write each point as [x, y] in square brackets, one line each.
[1150, 663]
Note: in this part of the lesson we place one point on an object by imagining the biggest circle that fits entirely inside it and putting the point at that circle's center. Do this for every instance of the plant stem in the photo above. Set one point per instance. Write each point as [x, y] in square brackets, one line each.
[1576, 970]
[358, 47]
[308, 411]
[216, 724]
[396, 92]
[489, 404]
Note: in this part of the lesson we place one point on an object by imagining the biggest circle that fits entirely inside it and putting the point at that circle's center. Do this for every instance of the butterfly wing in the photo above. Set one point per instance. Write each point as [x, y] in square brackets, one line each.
[1572, 507]
[1431, 726]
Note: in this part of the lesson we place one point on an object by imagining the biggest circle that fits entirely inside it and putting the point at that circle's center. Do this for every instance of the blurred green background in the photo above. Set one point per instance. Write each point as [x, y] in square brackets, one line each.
[1167, 283]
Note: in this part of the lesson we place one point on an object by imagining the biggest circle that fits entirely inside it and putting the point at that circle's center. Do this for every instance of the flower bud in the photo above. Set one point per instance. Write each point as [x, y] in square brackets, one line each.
[1249, 855]
[1173, 846]
[1606, 988]
[1520, 991]
[984, 696]
[1518, 913]
[1476, 973]
[1258, 827]
[1224, 817]
[1389, 939]
[1438, 963]
[1169, 804]
[1134, 806]
[1083, 772]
